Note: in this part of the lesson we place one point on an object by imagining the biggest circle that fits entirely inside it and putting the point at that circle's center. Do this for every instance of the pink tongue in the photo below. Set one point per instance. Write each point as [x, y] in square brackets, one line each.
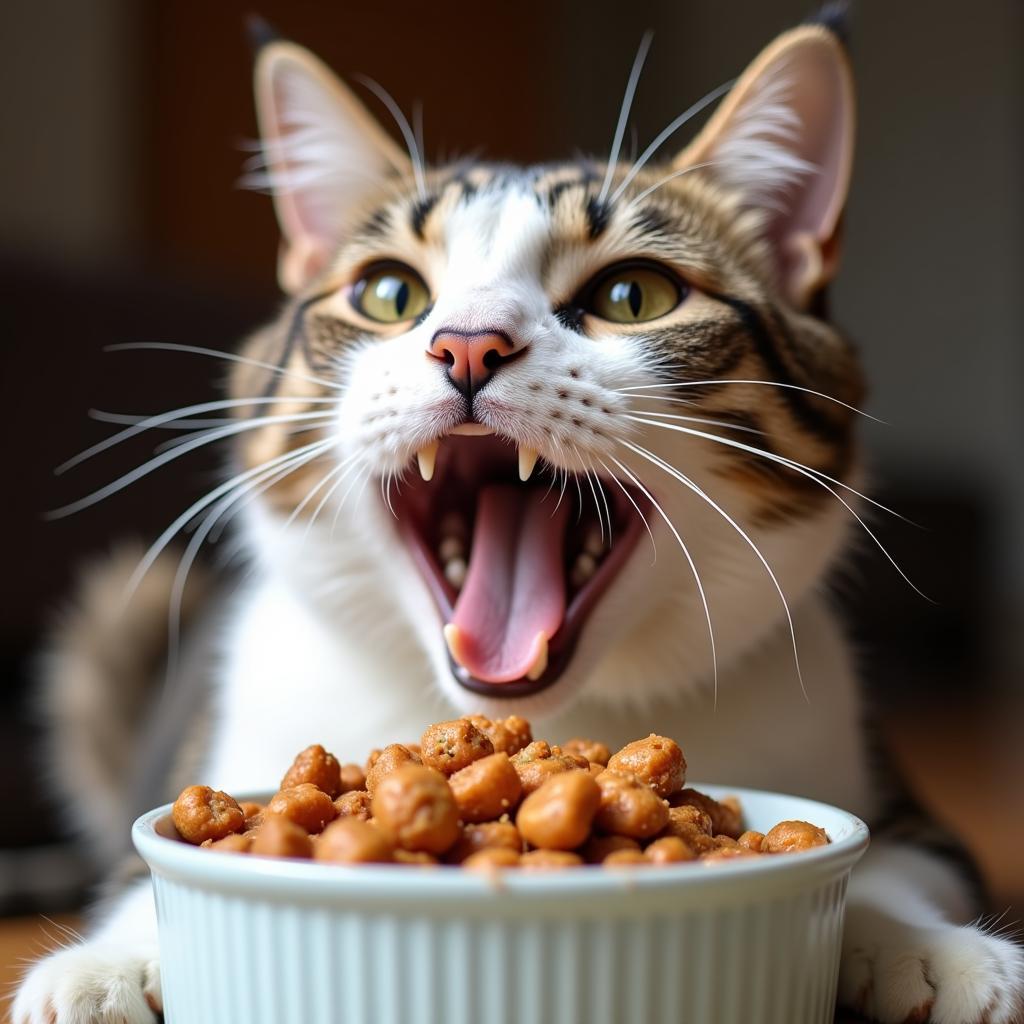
[515, 588]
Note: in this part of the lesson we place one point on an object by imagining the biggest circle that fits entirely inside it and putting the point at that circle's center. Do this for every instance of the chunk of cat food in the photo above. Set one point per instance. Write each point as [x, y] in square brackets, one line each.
[751, 841]
[491, 858]
[451, 746]
[250, 809]
[391, 757]
[592, 750]
[628, 806]
[305, 804]
[280, 837]
[792, 836]
[486, 789]
[418, 858]
[316, 766]
[415, 808]
[507, 735]
[350, 841]
[684, 820]
[549, 860]
[488, 835]
[538, 762]
[236, 842]
[558, 815]
[354, 804]
[202, 813]
[725, 815]
[657, 761]
[352, 777]
[596, 848]
[626, 858]
[670, 850]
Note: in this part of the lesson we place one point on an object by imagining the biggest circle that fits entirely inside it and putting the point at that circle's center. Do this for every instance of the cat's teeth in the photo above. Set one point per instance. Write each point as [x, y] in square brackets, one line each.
[455, 571]
[582, 569]
[527, 460]
[593, 542]
[453, 638]
[540, 663]
[426, 457]
[449, 548]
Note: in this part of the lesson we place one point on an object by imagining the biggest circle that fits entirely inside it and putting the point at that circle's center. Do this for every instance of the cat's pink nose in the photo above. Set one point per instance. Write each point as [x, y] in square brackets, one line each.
[471, 358]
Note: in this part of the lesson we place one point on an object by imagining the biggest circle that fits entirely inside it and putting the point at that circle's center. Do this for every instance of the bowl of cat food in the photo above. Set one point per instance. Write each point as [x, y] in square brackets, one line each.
[481, 876]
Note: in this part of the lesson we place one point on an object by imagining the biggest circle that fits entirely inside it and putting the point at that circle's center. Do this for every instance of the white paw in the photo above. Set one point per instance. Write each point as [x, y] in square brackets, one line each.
[92, 983]
[902, 974]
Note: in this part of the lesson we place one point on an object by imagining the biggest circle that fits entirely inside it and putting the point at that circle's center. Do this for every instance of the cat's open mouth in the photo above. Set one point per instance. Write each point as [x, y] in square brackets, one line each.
[514, 568]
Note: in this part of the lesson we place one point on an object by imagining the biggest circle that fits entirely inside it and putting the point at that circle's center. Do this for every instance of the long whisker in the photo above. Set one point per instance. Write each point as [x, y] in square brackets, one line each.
[687, 482]
[799, 467]
[313, 491]
[208, 437]
[627, 103]
[667, 131]
[671, 177]
[231, 357]
[164, 419]
[593, 491]
[314, 423]
[604, 500]
[403, 126]
[185, 424]
[704, 420]
[689, 558]
[632, 501]
[196, 507]
[766, 383]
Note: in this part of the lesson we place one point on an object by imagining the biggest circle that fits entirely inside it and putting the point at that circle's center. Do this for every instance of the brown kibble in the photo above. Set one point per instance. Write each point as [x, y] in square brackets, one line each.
[596, 848]
[684, 820]
[485, 836]
[537, 762]
[592, 750]
[558, 815]
[793, 836]
[233, 843]
[623, 858]
[414, 807]
[281, 837]
[309, 807]
[486, 789]
[250, 809]
[507, 735]
[355, 804]
[316, 766]
[656, 761]
[751, 841]
[491, 858]
[549, 860]
[670, 850]
[352, 777]
[201, 813]
[391, 757]
[418, 857]
[727, 853]
[451, 746]
[350, 841]
[629, 807]
[725, 815]
[371, 760]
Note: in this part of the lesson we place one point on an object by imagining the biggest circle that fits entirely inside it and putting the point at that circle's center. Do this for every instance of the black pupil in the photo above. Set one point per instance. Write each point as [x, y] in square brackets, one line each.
[630, 293]
[394, 289]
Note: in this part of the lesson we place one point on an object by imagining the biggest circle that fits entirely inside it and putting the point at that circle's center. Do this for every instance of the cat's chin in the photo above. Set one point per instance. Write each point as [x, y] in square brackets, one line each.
[515, 569]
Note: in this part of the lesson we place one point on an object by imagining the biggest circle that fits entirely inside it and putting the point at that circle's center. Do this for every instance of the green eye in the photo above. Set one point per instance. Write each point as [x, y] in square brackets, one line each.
[390, 294]
[633, 294]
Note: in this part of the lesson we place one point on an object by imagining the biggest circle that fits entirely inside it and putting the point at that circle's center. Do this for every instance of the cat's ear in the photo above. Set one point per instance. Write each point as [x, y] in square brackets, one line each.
[783, 141]
[323, 154]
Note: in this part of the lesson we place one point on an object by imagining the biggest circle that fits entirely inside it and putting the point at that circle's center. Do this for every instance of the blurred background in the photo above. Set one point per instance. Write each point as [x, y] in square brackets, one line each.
[125, 125]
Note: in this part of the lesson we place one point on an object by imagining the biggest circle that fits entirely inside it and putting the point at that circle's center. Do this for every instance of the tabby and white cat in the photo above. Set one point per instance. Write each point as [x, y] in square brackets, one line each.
[571, 441]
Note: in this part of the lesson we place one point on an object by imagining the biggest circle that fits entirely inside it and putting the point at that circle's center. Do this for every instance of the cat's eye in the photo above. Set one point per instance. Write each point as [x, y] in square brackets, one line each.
[634, 293]
[390, 293]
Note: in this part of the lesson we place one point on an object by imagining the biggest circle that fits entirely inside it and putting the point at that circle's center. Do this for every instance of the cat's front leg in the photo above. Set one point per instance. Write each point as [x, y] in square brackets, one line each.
[905, 960]
[112, 976]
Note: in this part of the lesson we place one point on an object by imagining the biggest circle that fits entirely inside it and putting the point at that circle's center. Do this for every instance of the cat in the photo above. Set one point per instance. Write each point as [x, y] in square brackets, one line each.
[574, 441]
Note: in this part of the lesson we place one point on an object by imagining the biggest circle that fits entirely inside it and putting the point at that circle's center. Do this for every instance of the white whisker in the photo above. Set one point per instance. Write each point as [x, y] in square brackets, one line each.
[687, 482]
[208, 437]
[689, 558]
[415, 155]
[315, 424]
[231, 357]
[702, 419]
[632, 502]
[765, 383]
[627, 103]
[671, 177]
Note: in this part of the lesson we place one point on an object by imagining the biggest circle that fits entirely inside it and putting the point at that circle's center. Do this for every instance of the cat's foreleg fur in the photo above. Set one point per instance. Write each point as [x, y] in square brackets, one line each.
[904, 956]
[112, 976]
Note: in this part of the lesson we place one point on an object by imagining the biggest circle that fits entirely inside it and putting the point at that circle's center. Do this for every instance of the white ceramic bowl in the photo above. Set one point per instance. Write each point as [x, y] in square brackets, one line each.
[262, 941]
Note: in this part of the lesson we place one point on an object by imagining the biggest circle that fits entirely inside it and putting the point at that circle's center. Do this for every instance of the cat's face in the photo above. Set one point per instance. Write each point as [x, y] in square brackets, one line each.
[527, 445]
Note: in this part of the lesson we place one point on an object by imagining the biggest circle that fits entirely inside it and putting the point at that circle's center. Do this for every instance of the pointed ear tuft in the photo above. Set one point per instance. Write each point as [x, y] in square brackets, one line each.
[324, 155]
[783, 141]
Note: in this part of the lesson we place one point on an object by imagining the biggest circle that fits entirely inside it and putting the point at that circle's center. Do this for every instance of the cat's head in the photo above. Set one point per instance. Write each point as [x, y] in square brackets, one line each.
[515, 386]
